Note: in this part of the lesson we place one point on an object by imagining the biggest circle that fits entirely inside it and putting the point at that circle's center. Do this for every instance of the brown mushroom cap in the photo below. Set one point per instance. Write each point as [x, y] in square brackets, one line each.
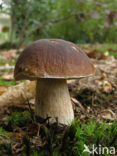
[53, 58]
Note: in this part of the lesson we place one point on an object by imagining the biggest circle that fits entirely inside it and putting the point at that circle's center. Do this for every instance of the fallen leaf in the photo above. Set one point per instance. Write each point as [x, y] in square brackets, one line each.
[107, 87]
[11, 54]
[108, 114]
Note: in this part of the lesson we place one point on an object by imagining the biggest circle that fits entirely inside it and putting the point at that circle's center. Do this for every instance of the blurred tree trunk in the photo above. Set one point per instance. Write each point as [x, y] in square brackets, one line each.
[19, 21]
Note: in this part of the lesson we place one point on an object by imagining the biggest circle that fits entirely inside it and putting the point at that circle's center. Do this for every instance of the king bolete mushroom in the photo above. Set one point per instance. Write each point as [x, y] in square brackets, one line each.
[51, 62]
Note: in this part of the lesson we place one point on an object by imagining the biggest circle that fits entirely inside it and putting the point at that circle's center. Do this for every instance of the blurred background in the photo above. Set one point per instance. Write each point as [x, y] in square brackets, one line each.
[79, 21]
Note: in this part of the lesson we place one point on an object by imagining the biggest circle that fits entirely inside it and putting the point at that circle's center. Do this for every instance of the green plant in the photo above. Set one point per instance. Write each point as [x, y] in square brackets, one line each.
[78, 21]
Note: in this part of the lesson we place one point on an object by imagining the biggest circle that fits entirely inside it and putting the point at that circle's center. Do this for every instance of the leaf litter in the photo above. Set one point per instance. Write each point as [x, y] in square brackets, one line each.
[92, 97]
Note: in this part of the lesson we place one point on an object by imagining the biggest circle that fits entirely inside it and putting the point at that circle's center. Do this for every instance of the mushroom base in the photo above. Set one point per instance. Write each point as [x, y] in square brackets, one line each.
[53, 100]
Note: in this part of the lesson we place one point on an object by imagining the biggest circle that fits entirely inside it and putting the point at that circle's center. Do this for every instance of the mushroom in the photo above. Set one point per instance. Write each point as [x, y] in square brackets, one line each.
[51, 62]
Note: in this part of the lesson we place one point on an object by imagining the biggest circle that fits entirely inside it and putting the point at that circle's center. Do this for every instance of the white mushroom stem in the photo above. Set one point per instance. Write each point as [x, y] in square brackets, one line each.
[53, 100]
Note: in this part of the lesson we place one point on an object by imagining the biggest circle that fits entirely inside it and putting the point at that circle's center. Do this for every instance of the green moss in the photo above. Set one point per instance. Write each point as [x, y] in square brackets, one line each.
[91, 133]
[71, 141]
[5, 133]
[68, 140]
[19, 118]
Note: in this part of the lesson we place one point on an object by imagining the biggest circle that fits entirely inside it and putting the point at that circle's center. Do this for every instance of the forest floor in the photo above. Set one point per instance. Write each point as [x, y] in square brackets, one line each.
[94, 100]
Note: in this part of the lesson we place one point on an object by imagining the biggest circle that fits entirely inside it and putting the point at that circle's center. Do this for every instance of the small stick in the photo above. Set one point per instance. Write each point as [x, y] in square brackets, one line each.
[77, 103]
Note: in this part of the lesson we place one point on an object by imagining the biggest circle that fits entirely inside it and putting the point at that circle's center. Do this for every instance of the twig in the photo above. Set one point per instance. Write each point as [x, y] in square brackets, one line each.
[77, 103]
[31, 111]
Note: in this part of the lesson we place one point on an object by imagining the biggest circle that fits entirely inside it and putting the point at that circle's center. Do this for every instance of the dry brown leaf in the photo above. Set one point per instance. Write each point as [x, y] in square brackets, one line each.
[92, 53]
[33, 128]
[107, 87]
[19, 135]
[108, 115]
[11, 54]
